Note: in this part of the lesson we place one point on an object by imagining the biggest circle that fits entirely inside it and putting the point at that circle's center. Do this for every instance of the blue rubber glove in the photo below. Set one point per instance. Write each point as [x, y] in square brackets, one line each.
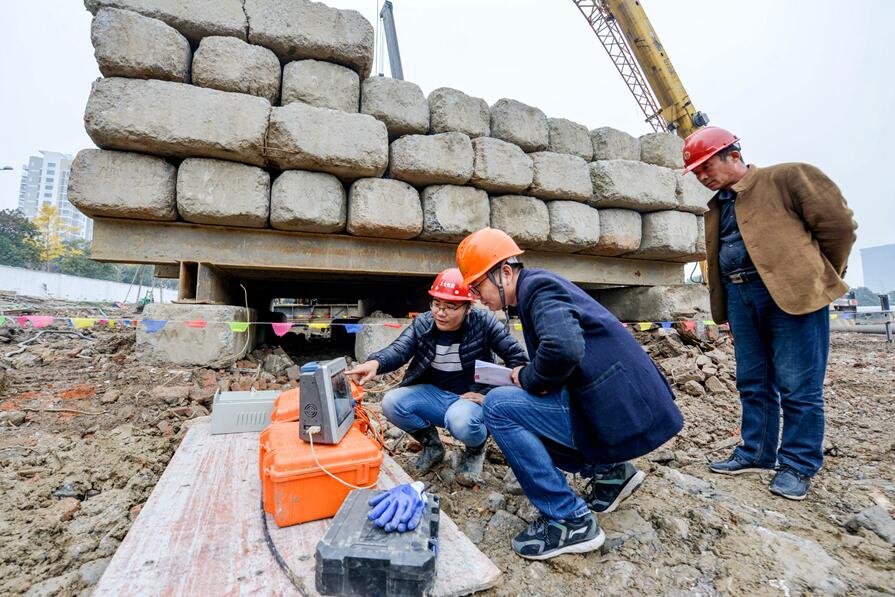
[400, 508]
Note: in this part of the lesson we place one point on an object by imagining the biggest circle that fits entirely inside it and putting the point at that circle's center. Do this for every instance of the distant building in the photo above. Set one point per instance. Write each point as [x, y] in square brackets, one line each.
[45, 180]
[878, 264]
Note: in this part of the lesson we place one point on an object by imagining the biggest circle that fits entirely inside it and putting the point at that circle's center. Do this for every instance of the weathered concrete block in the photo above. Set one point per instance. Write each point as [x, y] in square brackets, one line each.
[662, 149]
[119, 184]
[375, 336]
[424, 160]
[308, 202]
[127, 44]
[691, 195]
[632, 185]
[450, 213]
[560, 176]
[521, 124]
[452, 111]
[700, 236]
[612, 144]
[308, 138]
[500, 167]
[230, 64]
[570, 137]
[321, 84]
[213, 345]
[193, 19]
[657, 303]
[384, 208]
[620, 233]
[401, 105]
[301, 29]
[175, 119]
[223, 193]
[667, 235]
[573, 226]
[526, 219]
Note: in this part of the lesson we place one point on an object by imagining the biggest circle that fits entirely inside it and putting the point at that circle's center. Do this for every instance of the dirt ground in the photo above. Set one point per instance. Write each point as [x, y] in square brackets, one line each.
[86, 429]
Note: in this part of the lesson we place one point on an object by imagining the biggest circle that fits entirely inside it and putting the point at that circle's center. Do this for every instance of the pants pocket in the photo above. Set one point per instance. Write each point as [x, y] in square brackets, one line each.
[614, 407]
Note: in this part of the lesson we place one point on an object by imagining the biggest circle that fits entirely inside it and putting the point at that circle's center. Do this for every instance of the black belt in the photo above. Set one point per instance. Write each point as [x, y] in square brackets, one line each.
[743, 277]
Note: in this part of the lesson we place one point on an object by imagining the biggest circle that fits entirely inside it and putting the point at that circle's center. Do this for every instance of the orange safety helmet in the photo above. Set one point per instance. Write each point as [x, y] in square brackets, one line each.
[449, 286]
[702, 144]
[482, 250]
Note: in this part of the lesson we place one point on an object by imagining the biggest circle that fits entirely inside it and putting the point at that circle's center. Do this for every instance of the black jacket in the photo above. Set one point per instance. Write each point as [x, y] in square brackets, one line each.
[482, 334]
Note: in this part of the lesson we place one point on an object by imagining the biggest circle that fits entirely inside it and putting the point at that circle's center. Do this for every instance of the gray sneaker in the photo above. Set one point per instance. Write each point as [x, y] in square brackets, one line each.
[545, 538]
[603, 493]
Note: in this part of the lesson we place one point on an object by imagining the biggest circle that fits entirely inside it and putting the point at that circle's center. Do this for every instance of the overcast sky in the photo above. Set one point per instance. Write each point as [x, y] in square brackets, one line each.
[797, 80]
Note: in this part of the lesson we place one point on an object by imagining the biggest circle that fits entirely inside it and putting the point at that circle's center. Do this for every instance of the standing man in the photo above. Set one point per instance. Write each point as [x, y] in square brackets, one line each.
[589, 400]
[777, 245]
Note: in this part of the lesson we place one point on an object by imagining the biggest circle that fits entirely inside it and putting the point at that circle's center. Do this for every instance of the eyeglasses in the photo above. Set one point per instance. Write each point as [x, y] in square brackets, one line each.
[474, 288]
[445, 307]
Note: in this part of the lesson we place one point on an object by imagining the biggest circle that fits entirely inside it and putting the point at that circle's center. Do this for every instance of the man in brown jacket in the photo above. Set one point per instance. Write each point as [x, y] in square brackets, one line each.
[777, 245]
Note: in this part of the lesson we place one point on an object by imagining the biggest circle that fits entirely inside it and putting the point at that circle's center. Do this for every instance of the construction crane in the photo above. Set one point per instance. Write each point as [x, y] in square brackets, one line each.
[634, 48]
[387, 16]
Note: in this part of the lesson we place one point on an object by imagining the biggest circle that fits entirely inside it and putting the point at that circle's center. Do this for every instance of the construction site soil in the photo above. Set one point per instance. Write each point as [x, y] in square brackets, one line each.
[87, 428]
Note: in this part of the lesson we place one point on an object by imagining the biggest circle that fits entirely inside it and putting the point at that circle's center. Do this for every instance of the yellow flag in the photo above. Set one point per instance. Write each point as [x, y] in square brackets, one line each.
[238, 326]
[833, 315]
[82, 322]
[518, 326]
[644, 325]
[318, 326]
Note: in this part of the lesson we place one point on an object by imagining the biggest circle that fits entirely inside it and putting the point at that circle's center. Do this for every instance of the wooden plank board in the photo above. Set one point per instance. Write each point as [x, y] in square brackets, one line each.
[200, 533]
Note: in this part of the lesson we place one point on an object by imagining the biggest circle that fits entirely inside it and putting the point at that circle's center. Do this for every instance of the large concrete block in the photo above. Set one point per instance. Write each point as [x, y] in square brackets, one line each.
[230, 64]
[424, 160]
[175, 119]
[700, 235]
[613, 144]
[308, 202]
[450, 213]
[500, 167]
[662, 149]
[657, 303]
[526, 219]
[632, 185]
[453, 111]
[570, 137]
[560, 176]
[193, 19]
[667, 235]
[521, 124]
[620, 233]
[384, 208]
[321, 84]
[574, 226]
[223, 193]
[304, 137]
[215, 345]
[374, 335]
[119, 184]
[692, 196]
[401, 105]
[301, 29]
[127, 44]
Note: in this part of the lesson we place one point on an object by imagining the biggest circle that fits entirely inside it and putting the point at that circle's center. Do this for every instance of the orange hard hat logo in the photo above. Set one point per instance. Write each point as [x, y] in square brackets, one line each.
[482, 250]
[449, 286]
[702, 144]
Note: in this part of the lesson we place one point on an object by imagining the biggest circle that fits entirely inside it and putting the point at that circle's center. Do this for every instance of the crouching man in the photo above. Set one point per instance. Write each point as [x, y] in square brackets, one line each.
[438, 389]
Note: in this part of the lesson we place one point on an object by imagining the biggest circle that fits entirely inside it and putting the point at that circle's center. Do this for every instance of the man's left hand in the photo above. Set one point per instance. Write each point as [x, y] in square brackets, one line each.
[474, 397]
[514, 376]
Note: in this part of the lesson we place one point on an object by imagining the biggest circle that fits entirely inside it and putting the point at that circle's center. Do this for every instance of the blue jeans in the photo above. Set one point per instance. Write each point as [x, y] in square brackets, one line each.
[416, 407]
[781, 361]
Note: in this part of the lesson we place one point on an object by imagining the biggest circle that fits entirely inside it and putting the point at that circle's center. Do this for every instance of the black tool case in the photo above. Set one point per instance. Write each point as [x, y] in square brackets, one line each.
[355, 557]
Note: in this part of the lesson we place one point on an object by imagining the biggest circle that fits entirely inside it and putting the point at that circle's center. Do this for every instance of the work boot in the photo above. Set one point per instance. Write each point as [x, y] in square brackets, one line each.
[469, 470]
[433, 449]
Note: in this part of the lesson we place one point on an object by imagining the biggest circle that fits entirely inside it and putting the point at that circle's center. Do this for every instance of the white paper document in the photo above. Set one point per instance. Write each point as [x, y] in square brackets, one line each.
[492, 375]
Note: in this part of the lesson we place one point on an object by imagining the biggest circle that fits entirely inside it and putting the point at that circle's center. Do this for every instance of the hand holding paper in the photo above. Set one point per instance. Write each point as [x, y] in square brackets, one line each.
[492, 375]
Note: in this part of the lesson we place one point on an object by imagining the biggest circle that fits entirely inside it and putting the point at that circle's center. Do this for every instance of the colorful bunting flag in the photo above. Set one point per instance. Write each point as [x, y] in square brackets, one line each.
[397, 326]
[196, 323]
[2, 319]
[318, 326]
[238, 326]
[624, 324]
[518, 326]
[665, 324]
[37, 321]
[281, 328]
[353, 328]
[644, 325]
[832, 316]
[689, 325]
[154, 325]
[82, 322]
[709, 322]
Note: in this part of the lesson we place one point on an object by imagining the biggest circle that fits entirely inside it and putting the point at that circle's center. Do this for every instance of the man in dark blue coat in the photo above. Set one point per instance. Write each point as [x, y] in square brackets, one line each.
[589, 401]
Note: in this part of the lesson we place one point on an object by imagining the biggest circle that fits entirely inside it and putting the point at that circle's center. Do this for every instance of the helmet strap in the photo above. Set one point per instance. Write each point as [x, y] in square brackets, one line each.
[497, 280]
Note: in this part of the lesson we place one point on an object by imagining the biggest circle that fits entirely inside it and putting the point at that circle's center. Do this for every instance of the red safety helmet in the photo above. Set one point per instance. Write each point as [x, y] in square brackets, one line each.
[449, 286]
[702, 144]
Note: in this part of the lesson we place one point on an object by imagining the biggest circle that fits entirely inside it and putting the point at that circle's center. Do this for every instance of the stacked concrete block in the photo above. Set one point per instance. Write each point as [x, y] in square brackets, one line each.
[667, 235]
[560, 176]
[692, 196]
[230, 64]
[574, 226]
[384, 208]
[174, 119]
[700, 236]
[569, 137]
[620, 233]
[526, 219]
[612, 144]
[302, 29]
[657, 303]
[321, 84]
[450, 213]
[195, 20]
[423, 160]
[500, 167]
[401, 105]
[632, 185]
[304, 137]
[662, 149]
[119, 184]
[454, 111]
[308, 202]
[127, 44]
[223, 193]
[521, 124]
[374, 336]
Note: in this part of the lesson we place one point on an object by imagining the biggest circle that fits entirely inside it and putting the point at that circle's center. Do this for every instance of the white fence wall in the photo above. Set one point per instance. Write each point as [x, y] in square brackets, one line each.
[73, 288]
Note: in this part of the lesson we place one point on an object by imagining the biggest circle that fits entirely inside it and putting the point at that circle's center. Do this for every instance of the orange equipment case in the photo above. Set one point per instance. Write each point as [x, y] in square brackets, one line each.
[295, 489]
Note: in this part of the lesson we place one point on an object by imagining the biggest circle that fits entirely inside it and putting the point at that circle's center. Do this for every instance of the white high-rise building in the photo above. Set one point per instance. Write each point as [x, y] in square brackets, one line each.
[45, 180]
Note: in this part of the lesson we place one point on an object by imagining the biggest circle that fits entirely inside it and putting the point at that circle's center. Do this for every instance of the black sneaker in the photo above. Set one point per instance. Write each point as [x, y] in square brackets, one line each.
[604, 492]
[736, 466]
[545, 538]
[790, 483]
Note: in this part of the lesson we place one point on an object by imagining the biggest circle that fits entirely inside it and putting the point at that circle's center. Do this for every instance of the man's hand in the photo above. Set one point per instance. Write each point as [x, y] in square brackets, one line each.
[474, 397]
[364, 373]
[514, 376]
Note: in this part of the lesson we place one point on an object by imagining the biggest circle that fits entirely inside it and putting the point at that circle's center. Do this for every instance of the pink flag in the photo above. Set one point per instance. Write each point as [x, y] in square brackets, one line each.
[689, 325]
[38, 321]
[281, 328]
[196, 323]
